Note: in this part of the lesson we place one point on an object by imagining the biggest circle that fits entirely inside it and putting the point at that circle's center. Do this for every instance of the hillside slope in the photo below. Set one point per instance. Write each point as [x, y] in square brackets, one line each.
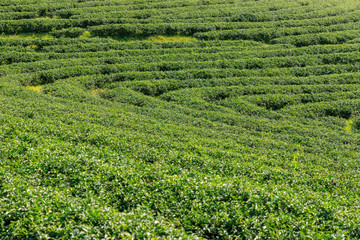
[219, 119]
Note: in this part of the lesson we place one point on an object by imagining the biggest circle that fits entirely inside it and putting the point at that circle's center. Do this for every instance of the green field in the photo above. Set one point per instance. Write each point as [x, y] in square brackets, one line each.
[179, 119]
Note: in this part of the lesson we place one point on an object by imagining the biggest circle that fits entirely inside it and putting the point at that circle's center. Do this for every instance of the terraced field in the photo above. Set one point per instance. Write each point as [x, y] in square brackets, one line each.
[221, 119]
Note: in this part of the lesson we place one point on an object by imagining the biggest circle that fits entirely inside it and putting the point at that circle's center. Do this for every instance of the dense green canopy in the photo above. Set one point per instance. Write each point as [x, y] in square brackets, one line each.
[141, 119]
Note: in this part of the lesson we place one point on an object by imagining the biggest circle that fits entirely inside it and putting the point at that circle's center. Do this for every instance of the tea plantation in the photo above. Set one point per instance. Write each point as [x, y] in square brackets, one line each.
[179, 119]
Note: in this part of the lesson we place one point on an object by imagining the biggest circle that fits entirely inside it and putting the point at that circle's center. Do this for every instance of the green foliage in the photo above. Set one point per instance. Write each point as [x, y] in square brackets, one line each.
[193, 119]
